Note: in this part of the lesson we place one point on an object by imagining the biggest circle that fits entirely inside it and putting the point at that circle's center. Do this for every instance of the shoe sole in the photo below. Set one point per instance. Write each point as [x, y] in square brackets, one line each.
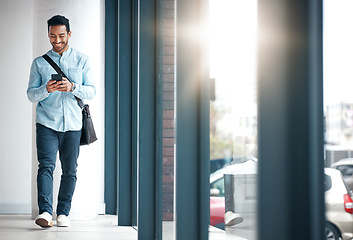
[62, 225]
[234, 221]
[44, 223]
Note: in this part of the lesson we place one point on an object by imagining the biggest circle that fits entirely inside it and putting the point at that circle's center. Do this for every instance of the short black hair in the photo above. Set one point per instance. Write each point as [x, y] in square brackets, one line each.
[59, 20]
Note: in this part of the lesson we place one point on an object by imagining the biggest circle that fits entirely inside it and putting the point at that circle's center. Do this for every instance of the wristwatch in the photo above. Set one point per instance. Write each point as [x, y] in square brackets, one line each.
[73, 87]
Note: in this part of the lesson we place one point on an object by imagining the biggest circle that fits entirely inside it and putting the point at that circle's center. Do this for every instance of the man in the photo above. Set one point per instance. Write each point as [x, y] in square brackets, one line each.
[58, 119]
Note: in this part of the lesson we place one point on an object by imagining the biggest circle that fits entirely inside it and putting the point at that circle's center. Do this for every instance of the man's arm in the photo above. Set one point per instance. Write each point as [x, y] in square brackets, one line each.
[35, 91]
[87, 90]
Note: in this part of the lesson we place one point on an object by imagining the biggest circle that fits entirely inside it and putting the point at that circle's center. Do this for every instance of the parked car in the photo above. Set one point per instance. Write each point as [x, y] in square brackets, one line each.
[346, 168]
[217, 190]
[339, 207]
[217, 201]
[338, 201]
[217, 206]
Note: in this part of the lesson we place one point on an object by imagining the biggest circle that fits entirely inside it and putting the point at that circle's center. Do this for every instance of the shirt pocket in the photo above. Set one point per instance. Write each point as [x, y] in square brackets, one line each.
[75, 75]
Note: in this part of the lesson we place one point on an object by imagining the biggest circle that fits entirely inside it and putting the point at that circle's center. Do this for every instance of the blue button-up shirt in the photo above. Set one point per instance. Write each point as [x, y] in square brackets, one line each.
[60, 110]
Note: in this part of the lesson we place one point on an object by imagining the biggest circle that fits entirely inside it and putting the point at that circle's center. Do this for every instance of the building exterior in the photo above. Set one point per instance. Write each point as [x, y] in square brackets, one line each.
[339, 125]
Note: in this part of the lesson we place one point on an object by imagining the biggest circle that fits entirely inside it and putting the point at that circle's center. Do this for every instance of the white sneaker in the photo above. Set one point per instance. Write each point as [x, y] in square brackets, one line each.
[231, 218]
[62, 221]
[44, 220]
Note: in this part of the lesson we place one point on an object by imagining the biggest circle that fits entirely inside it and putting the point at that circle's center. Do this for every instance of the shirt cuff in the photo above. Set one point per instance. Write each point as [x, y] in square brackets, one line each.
[43, 91]
[77, 90]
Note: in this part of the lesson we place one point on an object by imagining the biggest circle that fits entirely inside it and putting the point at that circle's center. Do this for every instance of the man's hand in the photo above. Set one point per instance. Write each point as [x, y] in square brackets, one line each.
[63, 86]
[52, 86]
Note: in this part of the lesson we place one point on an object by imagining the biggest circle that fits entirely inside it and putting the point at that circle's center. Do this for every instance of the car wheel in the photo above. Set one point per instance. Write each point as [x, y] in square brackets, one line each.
[331, 232]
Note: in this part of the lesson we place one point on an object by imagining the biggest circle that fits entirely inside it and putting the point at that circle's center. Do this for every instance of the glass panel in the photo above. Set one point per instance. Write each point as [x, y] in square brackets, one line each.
[338, 113]
[233, 117]
[168, 18]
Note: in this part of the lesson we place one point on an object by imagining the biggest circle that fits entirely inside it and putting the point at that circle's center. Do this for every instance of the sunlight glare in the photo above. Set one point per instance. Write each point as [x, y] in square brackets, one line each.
[233, 50]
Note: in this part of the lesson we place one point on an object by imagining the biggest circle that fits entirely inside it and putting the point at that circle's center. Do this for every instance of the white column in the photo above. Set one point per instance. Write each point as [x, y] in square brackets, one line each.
[87, 26]
[16, 23]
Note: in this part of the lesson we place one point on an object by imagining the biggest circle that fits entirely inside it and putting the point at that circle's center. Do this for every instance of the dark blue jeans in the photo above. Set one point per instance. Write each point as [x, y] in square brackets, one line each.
[49, 142]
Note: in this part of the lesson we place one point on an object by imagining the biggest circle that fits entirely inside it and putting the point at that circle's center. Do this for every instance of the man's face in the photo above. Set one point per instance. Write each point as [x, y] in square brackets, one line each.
[59, 38]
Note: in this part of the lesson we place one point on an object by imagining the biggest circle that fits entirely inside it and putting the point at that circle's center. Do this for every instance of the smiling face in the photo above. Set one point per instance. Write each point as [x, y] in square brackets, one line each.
[59, 38]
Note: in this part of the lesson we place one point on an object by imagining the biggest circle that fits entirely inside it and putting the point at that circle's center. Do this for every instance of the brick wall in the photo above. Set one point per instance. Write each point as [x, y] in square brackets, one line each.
[168, 109]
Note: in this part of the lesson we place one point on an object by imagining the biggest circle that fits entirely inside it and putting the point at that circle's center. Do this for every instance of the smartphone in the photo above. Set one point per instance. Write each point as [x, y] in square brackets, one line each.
[56, 77]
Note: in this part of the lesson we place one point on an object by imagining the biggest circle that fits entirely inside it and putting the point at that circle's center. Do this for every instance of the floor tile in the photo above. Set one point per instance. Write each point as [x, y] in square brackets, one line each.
[19, 227]
[15, 227]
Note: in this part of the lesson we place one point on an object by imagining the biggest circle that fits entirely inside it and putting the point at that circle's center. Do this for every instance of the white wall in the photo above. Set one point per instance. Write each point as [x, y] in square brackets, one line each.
[16, 24]
[86, 18]
[26, 36]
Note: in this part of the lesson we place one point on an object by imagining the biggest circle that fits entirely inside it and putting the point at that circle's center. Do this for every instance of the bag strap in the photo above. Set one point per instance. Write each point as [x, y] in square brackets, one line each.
[58, 70]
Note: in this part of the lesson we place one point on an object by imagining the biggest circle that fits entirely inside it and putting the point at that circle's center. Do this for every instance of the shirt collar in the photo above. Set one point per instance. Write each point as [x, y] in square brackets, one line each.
[55, 54]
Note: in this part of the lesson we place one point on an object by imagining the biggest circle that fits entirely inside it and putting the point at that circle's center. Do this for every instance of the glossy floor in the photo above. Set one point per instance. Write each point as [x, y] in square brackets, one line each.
[16, 227]
[22, 227]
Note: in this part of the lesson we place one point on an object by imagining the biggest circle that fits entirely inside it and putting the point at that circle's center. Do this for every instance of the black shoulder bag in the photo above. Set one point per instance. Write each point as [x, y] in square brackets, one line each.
[88, 134]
